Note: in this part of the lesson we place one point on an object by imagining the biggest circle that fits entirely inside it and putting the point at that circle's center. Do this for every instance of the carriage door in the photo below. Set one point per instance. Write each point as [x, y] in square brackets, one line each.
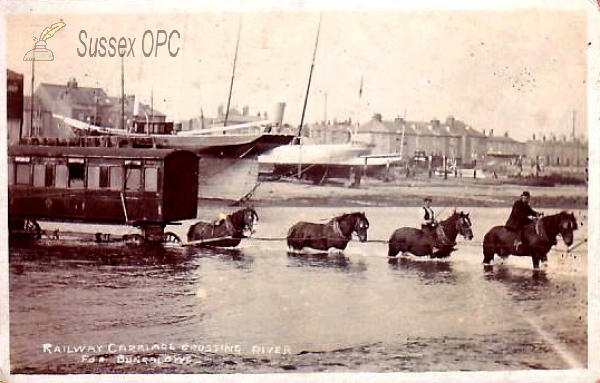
[76, 188]
[133, 190]
[152, 198]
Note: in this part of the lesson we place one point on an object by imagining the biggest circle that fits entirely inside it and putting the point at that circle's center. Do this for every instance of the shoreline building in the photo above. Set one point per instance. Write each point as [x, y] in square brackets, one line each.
[14, 106]
[87, 104]
[456, 140]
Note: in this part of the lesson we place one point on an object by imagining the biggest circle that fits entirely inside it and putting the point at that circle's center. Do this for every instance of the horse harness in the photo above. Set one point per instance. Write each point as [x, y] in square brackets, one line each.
[539, 229]
[228, 226]
[338, 230]
[441, 235]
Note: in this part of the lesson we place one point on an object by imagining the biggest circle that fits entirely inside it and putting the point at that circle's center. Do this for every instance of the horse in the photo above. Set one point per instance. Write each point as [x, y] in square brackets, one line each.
[335, 234]
[538, 238]
[226, 232]
[421, 242]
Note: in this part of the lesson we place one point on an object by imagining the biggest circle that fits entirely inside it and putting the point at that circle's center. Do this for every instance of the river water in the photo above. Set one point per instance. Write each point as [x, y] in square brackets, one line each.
[80, 307]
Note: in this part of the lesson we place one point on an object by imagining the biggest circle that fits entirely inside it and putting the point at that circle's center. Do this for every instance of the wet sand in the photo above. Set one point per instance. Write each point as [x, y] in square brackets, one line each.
[453, 192]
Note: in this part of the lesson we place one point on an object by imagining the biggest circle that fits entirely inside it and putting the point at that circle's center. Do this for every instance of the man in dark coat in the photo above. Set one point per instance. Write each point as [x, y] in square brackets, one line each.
[519, 217]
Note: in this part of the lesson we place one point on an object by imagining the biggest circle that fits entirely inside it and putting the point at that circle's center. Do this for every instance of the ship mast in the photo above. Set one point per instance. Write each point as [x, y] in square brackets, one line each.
[122, 94]
[312, 67]
[237, 45]
[31, 101]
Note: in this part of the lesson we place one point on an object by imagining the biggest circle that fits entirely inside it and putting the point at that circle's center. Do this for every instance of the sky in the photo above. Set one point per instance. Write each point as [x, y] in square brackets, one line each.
[517, 70]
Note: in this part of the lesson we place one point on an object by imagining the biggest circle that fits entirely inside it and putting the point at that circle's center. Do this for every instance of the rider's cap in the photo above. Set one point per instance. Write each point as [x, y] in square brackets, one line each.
[525, 194]
[428, 198]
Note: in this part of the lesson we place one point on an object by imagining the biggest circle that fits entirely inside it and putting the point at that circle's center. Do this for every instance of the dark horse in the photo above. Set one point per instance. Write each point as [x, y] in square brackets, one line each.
[334, 234]
[226, 232]
[421, 242]
[538, 237]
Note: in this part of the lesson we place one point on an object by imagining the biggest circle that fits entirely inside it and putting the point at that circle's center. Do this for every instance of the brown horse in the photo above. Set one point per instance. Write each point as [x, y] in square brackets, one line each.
[421, 242]
[227, 232]
[334, 234]
[538, 237]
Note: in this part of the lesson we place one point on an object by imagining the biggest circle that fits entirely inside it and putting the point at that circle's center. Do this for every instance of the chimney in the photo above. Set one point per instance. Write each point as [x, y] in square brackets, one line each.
[72, 83]
[435, 123]
[450, 121]
[136, 107]
[279, 109]
[220, 111]
[377, 117]
[506, 134]
[491, 132]
[245, 110]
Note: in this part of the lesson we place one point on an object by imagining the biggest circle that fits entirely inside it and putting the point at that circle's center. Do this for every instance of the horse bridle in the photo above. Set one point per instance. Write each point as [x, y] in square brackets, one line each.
[567, 225]
[466, 222]
[358, 223]
[249, 225]
[338, 230]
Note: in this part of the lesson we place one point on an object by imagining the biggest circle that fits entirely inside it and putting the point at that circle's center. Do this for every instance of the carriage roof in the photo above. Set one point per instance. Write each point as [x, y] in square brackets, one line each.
[77, 151]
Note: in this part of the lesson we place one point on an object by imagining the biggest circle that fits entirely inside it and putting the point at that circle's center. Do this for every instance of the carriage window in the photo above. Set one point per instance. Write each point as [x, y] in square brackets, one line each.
[11, 174]
[98, 177]
[93, 180]
[116, 178]
[76, 174]
[133, 180]
[39, 175]
[151, 179]
[49, 177]
[104, 176]
[23, 174]
[62, 176]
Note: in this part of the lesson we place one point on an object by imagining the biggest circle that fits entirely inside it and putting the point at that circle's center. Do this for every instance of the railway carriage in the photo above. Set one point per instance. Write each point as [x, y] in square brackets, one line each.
[146, 188]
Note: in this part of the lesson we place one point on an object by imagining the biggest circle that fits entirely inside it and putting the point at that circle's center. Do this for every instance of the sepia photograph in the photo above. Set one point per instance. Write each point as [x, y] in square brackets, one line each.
[263, 191]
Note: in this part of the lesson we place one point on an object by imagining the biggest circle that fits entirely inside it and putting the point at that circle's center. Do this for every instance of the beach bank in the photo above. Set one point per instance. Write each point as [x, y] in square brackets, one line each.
[450, 193]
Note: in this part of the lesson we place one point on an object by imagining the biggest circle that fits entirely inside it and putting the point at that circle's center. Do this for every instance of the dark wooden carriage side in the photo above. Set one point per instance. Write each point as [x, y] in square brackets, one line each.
[146, 188]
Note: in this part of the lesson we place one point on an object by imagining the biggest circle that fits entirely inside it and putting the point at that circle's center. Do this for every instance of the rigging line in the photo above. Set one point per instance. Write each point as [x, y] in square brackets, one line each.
[312, 67]
[237, 44]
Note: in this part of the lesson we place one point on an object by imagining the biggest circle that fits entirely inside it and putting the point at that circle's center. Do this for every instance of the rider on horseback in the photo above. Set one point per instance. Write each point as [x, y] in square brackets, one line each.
[428, 222]
[519, 217]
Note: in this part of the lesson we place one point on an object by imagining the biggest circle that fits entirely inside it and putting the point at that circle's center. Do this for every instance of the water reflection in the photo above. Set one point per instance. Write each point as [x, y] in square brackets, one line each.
[430, 271]
[523, 284]
[521, 278]
[64, 255]
[338, 262]
[227, 255]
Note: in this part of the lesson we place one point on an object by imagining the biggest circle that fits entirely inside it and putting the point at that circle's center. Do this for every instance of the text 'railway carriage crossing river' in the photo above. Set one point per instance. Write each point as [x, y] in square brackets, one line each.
[146, 188]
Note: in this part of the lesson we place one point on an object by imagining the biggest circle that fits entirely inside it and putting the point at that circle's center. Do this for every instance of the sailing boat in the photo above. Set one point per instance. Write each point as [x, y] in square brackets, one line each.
[227, 155]
[235, 141]
[318, 162]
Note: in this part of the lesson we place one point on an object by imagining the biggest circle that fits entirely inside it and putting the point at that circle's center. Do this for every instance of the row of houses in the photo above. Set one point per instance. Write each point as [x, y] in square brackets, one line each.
[453, 139]
[93, 105]
[87, 104]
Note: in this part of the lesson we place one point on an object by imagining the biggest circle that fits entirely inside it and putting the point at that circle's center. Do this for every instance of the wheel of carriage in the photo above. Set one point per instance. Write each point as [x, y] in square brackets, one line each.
[32, 229]
[171, 238]
[133, 239]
